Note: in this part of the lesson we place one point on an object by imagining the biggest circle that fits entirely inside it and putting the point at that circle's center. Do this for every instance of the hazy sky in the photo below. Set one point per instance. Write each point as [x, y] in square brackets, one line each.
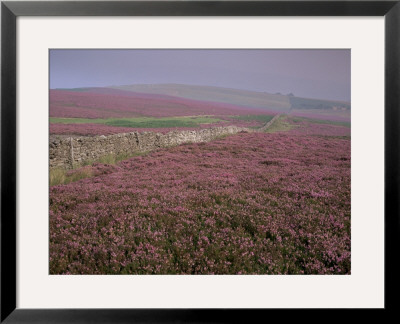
[321, 74]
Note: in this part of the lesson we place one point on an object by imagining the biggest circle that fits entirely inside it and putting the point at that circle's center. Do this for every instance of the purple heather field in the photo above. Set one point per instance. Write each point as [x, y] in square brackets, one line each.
[272, 197]
[250, 203]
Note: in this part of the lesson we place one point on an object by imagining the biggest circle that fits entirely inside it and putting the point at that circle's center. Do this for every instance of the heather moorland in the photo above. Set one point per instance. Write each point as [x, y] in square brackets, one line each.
[209, 161]
[274, 202]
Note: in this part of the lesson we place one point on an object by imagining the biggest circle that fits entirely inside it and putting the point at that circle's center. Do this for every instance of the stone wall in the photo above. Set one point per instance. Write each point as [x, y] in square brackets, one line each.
[264, 128]
[69, 152]
[74, 151]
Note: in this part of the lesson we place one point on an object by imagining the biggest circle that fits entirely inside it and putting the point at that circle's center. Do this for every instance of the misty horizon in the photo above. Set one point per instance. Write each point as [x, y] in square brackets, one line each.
[314, 74]
[200, 85]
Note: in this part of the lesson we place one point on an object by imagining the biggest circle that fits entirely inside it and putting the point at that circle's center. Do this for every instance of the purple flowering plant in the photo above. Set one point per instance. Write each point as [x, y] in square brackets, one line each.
[250, 203]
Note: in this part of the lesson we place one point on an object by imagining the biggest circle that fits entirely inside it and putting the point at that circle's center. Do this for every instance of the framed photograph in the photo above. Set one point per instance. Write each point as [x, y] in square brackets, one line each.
[180, 161]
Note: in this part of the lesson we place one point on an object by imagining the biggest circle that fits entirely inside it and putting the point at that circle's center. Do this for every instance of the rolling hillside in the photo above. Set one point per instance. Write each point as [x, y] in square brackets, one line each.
[207, 96]
[108, 103]
[308, 103]
[216, 94]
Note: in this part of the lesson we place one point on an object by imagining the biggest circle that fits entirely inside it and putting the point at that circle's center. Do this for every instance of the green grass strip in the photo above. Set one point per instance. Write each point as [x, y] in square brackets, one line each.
[141, 122]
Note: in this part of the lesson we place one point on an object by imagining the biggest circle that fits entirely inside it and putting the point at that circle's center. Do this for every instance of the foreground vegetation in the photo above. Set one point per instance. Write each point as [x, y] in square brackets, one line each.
[89, 169]
[256, 203]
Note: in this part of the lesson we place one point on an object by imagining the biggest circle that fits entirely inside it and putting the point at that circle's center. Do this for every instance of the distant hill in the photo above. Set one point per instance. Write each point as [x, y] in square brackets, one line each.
[245, 98]
[158, 95]
[307, 103]
[109, 103]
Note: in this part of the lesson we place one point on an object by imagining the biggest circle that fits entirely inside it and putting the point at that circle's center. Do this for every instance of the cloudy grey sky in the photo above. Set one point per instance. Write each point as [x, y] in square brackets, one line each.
[321, 74]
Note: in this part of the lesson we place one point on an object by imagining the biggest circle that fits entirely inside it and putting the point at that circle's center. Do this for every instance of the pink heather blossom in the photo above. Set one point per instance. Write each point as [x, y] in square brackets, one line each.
[250, 203]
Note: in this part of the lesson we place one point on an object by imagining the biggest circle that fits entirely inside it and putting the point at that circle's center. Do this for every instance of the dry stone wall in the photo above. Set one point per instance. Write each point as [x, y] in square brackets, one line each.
[264, 128]
[71, 152]
[75, 151]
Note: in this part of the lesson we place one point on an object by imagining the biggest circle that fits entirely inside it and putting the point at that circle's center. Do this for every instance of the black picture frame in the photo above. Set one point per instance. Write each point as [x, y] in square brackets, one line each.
[10, 10]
